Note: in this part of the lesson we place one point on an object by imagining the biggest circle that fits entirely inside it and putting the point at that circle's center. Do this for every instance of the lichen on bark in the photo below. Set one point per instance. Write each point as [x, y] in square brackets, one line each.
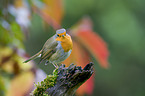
[64, 81]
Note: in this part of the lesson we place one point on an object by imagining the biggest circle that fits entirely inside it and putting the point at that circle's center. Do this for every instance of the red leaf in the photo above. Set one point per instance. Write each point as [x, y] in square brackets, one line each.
[54, 8]
[52, 12]
[91, 41]
[80, 57]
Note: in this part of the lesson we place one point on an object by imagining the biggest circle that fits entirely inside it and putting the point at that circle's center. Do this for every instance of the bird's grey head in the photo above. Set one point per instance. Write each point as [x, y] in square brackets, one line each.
[59, 31]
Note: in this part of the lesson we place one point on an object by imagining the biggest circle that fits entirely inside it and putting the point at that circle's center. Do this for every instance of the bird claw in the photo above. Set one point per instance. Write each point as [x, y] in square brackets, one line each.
[55, 65]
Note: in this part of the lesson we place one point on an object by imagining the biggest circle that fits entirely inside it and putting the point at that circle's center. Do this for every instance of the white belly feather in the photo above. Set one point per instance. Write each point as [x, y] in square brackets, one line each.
[60, 55]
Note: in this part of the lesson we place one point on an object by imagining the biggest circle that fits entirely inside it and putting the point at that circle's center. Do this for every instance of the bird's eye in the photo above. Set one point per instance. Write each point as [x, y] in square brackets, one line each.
[57, 35]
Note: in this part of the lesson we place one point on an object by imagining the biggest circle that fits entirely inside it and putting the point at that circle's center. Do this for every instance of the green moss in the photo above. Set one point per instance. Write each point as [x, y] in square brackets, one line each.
[41, 87]
[2, 86]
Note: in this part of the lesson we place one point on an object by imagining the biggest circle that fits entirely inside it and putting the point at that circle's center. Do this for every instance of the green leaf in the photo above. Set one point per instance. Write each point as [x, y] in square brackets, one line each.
[17, 32]
[5, 37]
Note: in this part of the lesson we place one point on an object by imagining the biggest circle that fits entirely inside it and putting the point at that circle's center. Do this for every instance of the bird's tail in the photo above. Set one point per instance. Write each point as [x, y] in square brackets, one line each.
[33, 57]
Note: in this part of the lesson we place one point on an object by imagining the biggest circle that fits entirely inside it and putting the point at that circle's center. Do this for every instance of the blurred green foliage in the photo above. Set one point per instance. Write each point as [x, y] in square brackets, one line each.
[121, 23]
[48, 82]
[16, 30]
[4, 33]
[2, 88]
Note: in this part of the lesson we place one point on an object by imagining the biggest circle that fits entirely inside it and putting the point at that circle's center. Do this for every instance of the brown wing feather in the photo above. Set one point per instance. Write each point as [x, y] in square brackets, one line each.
[48, 49]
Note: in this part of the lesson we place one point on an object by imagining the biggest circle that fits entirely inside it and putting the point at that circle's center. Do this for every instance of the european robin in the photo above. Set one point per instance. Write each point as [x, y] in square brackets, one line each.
[56, 49]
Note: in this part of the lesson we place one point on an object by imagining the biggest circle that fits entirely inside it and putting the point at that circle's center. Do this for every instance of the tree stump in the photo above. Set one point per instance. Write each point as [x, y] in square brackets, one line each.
[68, 80]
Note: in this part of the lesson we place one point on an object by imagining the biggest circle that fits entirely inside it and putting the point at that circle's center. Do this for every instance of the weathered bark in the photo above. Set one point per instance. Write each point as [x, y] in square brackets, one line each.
[70, 79]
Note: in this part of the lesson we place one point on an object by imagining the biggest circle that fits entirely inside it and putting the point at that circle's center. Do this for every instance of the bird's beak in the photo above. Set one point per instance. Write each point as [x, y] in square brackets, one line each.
[58, 39]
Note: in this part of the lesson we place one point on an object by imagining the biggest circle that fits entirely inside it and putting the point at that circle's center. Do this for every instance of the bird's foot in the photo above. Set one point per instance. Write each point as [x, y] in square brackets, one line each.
[55, 65]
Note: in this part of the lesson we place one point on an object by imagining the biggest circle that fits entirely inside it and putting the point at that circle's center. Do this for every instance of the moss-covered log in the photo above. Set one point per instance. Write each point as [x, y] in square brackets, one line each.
[67, 81]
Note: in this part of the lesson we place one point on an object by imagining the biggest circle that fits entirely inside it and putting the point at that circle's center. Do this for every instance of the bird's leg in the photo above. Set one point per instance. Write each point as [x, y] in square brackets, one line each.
[55, 65]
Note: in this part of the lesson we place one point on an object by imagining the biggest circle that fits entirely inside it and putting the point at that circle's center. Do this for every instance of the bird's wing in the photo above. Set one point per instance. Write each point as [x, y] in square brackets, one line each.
[48, 49]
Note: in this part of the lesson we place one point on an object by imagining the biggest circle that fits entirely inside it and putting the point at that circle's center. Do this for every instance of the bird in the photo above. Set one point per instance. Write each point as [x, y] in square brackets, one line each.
[56, 49]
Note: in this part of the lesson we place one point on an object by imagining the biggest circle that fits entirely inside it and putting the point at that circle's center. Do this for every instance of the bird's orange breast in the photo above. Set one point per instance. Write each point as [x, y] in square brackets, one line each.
[67, 44]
